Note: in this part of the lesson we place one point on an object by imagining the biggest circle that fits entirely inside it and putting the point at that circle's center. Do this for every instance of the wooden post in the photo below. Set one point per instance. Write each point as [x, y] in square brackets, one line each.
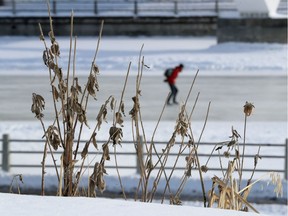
[5, 153]
[286, 160]
[139, 158]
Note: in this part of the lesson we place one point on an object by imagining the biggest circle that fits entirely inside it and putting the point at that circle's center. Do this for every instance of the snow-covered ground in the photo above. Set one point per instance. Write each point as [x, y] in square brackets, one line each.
[14, 205]
[23, 56]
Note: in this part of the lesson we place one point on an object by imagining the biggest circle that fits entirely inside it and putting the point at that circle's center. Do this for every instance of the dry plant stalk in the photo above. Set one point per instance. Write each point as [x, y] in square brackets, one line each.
[70, 102]
[70, 110]
[69, 107]
[147, 165]
[226, 192]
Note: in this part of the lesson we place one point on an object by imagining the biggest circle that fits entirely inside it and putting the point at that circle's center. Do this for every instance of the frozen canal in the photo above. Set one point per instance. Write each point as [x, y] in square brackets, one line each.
[227, 94]
[230, 74]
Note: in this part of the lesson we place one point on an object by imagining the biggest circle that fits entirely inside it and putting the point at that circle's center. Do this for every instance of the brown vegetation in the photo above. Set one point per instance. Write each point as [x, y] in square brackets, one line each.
[70, 105]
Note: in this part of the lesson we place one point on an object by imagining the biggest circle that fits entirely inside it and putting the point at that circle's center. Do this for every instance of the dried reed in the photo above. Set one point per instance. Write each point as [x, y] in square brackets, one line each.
[70, 107]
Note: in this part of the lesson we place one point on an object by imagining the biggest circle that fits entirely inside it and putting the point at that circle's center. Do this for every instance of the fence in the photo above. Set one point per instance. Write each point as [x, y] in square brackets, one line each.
[266, 153]
[126, 7]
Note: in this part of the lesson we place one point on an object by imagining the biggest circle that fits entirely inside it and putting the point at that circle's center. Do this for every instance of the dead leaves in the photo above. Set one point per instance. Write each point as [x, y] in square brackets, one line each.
[38, 105]
[119, 118]
[101, 116]
[53, 137]
[133, 112]
[92, 84]
[96, 180]
[116, 135]
[182, 124]
[55, 49]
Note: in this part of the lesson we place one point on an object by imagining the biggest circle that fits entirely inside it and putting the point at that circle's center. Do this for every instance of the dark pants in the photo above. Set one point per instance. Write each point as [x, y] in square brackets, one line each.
[173, 94]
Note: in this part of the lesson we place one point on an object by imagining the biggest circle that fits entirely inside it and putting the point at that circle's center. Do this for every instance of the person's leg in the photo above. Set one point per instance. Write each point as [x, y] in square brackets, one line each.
[171, 93]
[175, 91]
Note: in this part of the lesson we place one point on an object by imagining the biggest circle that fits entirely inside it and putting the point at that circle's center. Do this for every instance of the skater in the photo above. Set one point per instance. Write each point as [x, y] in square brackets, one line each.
[171, 75]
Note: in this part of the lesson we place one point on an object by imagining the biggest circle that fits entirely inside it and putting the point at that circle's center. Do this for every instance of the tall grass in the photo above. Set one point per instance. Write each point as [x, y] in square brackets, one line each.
[70, 102]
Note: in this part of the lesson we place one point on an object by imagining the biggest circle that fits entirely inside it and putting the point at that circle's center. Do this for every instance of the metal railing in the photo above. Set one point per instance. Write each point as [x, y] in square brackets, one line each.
[267, 149]
[125, 7]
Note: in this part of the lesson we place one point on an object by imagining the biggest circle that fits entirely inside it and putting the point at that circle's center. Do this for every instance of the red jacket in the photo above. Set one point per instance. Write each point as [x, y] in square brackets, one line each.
[172, 78]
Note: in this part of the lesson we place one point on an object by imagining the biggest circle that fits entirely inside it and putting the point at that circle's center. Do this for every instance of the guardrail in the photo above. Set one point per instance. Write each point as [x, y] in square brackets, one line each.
[267, 149]
[125, 7]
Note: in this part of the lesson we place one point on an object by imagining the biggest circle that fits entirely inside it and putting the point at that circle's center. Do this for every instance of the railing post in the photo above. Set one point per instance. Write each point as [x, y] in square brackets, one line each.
[217, 7]
[135, 8]
[96, 6]
[13, 7]
[139, 159]
[54, 7]
[176, 7]
[5, 153]
[286, 160]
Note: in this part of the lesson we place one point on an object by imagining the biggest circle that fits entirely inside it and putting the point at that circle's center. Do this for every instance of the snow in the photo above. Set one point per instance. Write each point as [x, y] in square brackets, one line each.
[226, 59]
[36, 205]
[23, 56]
